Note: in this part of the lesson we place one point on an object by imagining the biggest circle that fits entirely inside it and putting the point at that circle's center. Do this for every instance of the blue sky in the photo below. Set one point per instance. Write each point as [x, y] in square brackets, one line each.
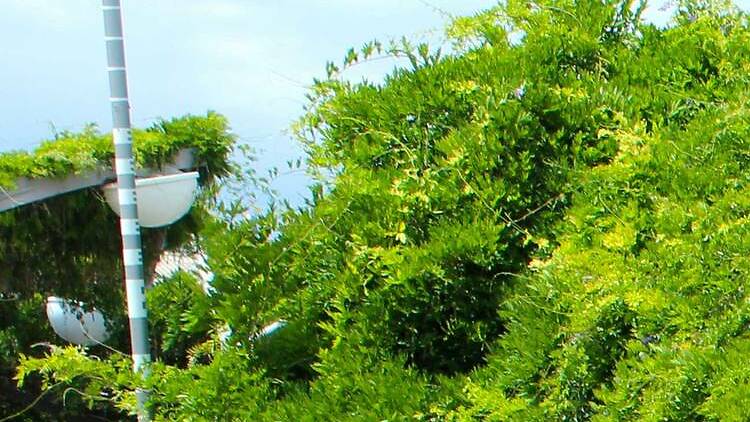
[248, 59]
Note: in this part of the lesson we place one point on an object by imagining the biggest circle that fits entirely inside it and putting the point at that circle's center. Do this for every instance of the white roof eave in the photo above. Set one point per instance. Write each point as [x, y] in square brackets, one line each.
[28, 191]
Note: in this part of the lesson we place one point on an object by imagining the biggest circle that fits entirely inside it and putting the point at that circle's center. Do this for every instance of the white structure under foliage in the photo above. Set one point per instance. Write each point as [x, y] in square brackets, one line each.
[161, 200]
[74, 324]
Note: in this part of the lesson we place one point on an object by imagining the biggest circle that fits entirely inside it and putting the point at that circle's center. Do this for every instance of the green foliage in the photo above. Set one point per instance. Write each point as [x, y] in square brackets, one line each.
[81, 381]
[179, 317]
[550, 224]
[225, 384]
[73, 153]
[64, 246]
[639, 309]
[451, 175]
[230, 389]
[359, 386]
[70, 246]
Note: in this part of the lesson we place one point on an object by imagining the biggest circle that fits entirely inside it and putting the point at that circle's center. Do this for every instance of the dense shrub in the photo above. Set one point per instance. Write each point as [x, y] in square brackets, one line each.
[69, 245]
[550, 224]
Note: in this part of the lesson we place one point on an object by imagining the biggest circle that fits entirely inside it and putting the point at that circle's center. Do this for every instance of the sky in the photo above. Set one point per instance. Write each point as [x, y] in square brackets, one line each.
[251, 60]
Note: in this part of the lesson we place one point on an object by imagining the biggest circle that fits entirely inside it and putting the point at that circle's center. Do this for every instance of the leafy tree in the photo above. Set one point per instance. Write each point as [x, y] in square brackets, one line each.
[549, 224]
[69, 245]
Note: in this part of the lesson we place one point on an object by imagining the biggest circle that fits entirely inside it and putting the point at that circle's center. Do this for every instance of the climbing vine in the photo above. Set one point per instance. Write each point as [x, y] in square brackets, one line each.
[69, 245]
[547, 224]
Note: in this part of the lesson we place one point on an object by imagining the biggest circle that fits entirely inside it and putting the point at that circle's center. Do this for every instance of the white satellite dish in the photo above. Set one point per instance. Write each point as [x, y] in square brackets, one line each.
[74, 324]
[162, 200]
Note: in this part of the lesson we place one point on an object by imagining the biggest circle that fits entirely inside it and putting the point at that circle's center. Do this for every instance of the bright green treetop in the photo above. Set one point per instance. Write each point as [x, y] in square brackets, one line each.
[546, 225]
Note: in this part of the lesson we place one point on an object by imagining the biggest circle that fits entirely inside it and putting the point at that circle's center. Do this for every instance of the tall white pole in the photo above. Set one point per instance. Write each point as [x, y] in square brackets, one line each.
[125, 170]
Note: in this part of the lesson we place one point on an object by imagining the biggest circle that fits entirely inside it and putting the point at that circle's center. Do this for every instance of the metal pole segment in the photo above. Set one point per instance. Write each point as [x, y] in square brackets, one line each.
[125, 170]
